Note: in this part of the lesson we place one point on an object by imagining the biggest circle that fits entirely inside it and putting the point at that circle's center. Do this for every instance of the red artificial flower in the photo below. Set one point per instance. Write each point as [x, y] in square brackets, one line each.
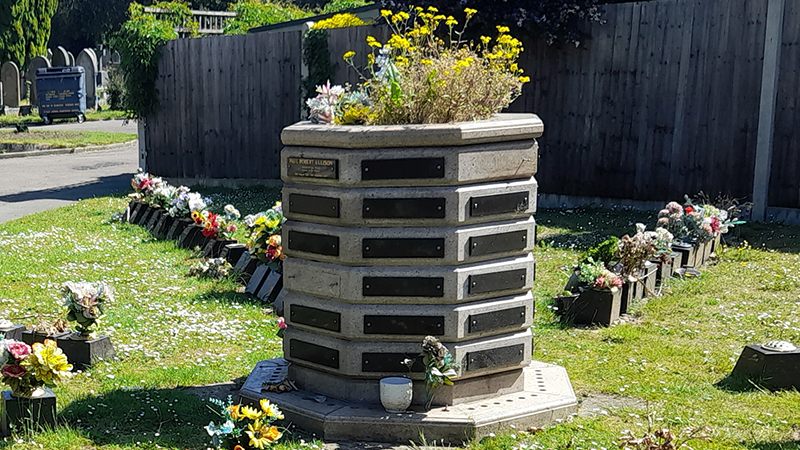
[281, 323]
[689, 209]
[715, 224]
[13, 371]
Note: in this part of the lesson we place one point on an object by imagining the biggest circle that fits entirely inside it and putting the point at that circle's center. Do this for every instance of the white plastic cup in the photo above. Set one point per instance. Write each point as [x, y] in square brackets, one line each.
[396, 394]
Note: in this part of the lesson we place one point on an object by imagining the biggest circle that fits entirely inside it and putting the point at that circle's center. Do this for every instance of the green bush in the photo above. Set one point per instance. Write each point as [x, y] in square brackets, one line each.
[338, 5]
[25, 29]
[115, 91]
[605, 251]
[256, 13]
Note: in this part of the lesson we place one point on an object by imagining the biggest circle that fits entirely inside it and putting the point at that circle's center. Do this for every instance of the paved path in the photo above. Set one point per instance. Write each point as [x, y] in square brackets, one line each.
[39, 183]
[110, 126]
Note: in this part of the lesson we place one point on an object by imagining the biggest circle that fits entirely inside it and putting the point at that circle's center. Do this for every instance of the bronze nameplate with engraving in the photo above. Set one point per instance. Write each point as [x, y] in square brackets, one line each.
[313, 168]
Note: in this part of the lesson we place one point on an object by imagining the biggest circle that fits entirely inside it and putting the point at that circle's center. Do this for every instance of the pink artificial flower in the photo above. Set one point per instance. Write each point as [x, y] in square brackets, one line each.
[715, 224]
[13, 371]
[19, 350]
[281, 323]
[600, 282]
[231, 228]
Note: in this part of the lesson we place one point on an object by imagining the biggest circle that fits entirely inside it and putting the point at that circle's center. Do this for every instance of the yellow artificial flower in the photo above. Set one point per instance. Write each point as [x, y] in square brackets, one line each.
[235, 412]
[261, 436]
[251, 413]
[48, 363]
[348, 55]
[271, 409]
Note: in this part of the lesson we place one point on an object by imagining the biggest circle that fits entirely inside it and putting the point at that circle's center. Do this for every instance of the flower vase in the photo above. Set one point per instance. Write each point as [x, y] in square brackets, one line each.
[27, 410]
[396, 394]
[35, 393]
[595, 306]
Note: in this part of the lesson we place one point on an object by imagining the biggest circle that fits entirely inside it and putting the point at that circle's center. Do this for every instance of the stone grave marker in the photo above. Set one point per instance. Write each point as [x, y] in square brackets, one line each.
[9, 76]
[49, 54]
[71, 59]
[398, 233]
[88, 61]
[30, 76]
[60, 57]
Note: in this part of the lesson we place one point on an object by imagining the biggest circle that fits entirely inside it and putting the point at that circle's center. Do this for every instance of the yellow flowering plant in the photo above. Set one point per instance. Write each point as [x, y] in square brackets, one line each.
[426, 72]
[25, 367]
[245, 427]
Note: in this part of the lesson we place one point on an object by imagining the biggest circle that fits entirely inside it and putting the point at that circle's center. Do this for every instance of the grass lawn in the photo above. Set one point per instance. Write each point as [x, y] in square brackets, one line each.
[172, 331]
[9, 120]
[64, 139]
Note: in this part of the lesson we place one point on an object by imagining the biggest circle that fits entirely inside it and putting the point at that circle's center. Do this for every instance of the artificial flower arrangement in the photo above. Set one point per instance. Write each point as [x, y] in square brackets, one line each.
[145, 184]
[696, 223]
[217, 225]
[214, 268]
[245, 427]
[426, 72]
[633, 251]
[264, 236]
[25, 368]
[84, 302]
[440, 367]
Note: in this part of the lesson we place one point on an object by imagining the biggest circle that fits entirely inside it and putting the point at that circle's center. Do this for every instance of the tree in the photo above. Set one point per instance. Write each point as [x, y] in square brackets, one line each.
[558, 21]
[79, 24]
[25, 29]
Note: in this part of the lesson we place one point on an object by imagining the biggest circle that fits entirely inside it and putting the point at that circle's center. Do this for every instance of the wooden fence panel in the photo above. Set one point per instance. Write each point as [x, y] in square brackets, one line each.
[784, 187]
[223, 102]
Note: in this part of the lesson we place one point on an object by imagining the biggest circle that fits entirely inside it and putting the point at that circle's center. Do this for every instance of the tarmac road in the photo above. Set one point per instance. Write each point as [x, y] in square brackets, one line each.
[38, 183]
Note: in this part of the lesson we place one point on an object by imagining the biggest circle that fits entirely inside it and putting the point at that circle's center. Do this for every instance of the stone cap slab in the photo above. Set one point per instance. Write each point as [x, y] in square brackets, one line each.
[501, 127]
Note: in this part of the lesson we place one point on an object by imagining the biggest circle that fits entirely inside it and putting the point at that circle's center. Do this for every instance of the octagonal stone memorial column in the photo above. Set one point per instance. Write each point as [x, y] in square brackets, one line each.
[395, 233]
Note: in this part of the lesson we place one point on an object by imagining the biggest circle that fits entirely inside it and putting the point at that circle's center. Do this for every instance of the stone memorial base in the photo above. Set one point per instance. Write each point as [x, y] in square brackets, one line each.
[543, 394]
[13, 333]
[29, 337]
[83, 353]
[771, 369]
[29, 413]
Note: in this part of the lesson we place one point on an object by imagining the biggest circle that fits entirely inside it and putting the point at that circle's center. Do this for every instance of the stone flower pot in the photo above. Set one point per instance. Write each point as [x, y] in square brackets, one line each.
[396, 394]
[594, 306]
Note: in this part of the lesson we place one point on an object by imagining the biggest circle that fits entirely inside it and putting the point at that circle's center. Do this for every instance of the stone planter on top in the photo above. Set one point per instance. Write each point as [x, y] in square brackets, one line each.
[399, 232]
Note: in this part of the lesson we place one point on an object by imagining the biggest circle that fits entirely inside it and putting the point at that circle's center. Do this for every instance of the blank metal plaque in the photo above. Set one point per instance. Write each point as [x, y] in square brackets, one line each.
[390, 362]
[402, 248]
[405, 325]
[320, 244]
[498, 243]
[495, 357]
[514, 202]
[314, 205]
[403, 287]
[403, 208]
[314, 353]
[317, 318]
[402, 169]
[497, 320]
[498, 281]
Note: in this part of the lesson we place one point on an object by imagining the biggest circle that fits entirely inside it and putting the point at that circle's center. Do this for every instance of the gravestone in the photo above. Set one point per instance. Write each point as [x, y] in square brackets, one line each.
[60, 57]
[88, 61]
[49, 54]
[30, 76]
[9, 76]
[71, 59]
[395, 233]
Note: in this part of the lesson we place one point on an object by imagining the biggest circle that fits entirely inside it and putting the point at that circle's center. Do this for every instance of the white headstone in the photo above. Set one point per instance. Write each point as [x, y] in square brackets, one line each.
[30, 76]
[9, 76]
[87, 60]
[60, 57]
[71, 59]
[49, 54]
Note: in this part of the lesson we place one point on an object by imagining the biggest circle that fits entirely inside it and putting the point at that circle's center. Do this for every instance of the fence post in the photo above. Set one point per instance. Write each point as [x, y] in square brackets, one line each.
[766, 112]
[142, 144]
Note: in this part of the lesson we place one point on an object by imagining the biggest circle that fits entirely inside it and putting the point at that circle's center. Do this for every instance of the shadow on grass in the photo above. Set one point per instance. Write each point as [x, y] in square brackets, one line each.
[580, 229]
[231, 297]
[786, 445]
[739, 383]
[165, 417]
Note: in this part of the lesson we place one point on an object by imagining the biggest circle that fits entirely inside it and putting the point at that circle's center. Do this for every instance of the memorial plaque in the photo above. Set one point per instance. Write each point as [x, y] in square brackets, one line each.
[515, 202]
[498, 243]
[320, 244]
[403, 287]
[495, 357]
[405, 325]
[497, 320]
[402, 169]
[314, 353]
[313, 205]
[317, 318]
[403, 208]
[313, 168]
[498, 281]
[402, 248]
[390, 362]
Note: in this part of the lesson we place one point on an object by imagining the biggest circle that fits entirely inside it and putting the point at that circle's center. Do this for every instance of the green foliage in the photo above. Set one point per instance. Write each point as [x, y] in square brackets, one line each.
[25, 29]
[115, 91]
[338, 5]
[139, 42]
[605, 251]
[99, 19]
[256, 13]
[317, 58]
